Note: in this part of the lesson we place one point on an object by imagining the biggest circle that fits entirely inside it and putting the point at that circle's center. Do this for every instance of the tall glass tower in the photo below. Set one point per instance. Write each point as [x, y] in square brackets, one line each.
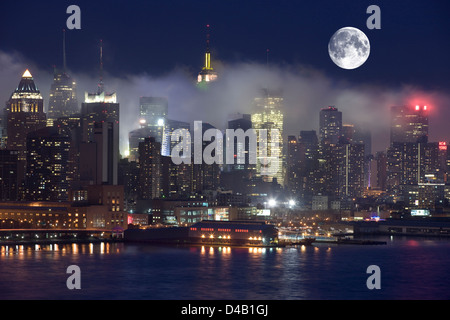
[269, 116]
[63, 100]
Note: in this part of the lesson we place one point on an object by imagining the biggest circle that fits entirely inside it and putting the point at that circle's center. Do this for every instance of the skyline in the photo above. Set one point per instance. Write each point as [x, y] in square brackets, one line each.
[307, 86]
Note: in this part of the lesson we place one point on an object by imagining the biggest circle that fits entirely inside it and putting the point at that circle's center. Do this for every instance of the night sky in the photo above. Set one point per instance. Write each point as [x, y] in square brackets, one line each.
[154, 38]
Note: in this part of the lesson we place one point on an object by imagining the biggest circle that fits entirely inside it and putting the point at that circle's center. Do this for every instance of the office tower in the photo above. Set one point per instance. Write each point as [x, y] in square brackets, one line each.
[411, 164]
[149, 169]
[169, 127]
[128, 172]
[310, 170]
[63, 100]
[135, 137]
[409, 124]
[293, 166]
[9, 184]
[344, 170]
[381, 172]
[207, 74]
[71, 127]
[240, 148]
[99, 157]
[443, 155]
[99, 108]
[237, 176]
[269, 116]
[25, 114]
[153, 110]
[99, 150]
[330, 125]
[205, 176]
[364, 136]
[352, 171]
[153, 115]
[47, 160]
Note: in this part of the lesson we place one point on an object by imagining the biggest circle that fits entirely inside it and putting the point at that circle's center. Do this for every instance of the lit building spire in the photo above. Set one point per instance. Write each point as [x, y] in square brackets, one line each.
[208, 51]
[207, 74]
[27, 74]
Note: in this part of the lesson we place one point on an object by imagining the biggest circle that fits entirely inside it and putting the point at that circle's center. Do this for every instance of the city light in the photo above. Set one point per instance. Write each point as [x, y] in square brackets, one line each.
[272, 202]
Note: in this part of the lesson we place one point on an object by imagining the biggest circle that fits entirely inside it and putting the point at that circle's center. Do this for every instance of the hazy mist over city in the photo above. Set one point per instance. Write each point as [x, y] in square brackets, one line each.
[305, 91]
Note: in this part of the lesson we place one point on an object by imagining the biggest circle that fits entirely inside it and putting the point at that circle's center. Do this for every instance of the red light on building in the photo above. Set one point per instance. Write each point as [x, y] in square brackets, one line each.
[442, 145]
[424, 107]
[417, 108]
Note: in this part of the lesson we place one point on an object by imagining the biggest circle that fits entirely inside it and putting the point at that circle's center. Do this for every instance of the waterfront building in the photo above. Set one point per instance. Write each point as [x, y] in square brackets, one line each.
[9, 183]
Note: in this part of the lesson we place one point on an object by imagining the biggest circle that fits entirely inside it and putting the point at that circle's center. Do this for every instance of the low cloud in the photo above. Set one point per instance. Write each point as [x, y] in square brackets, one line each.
[305, 91]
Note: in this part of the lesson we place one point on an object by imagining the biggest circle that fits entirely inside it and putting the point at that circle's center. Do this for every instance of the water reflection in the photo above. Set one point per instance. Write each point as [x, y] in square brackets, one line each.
[63, 249]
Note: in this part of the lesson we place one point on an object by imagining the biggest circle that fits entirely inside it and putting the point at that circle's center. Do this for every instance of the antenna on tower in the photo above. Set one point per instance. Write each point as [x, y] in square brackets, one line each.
[267, 57]
[207, 38]
[100, 85]
[64, 51]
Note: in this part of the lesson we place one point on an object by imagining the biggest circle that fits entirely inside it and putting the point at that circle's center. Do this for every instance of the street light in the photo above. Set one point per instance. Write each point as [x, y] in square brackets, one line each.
[272, 203]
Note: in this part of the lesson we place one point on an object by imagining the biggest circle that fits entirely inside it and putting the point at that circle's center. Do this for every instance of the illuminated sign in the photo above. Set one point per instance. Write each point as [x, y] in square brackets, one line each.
[442, 145]
[420, 212]
[264, 212]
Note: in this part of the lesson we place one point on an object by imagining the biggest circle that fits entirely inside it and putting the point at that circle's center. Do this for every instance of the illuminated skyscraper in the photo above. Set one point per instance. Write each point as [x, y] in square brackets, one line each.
[100, 127]
[169, 127]
[269, 116]
[153, 115]
[207, 74]
[330, 125]
[25, 113]
[409, 124]
[150, 162]
[47, 161]
[63, 94]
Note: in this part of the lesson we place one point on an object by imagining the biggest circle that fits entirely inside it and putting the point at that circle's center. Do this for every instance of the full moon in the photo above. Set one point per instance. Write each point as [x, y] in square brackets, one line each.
[349, 48]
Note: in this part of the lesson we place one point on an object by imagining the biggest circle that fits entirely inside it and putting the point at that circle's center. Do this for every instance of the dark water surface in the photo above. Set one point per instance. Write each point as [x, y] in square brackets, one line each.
[410, 269]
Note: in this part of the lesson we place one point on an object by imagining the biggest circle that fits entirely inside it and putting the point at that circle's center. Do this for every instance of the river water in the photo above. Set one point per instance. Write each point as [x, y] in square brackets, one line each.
[410, 268]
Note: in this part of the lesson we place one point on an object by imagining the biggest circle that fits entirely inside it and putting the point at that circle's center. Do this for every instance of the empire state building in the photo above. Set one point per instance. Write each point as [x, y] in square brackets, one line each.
[207, 74]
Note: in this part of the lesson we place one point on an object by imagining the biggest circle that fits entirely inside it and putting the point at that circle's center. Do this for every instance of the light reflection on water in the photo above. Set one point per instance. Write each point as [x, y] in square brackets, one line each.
[411, 269]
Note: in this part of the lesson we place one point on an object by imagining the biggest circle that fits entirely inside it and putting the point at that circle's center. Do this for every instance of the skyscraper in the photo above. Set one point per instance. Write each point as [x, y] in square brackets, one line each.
[63, 100]
[25, 113]
[9, 184]
[100, 114]
[153, 115]
[169, 127]
[330, 125]
[47, 160]
[409, 124]
[269, 115]
[293, 166]
[207, 74]
[150, 162]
